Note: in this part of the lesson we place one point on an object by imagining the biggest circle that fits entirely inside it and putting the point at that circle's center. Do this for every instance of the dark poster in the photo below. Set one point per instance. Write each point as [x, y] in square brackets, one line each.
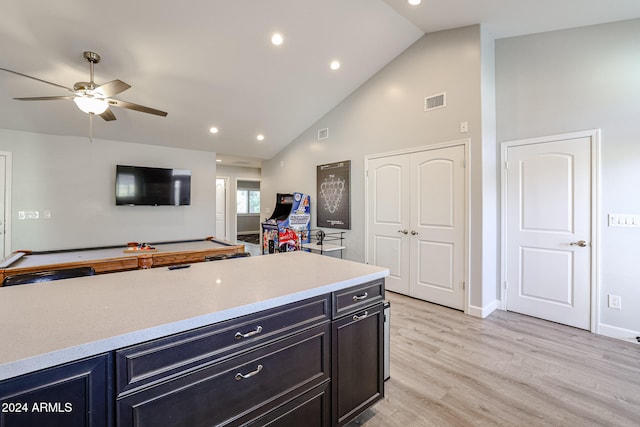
[333, 182]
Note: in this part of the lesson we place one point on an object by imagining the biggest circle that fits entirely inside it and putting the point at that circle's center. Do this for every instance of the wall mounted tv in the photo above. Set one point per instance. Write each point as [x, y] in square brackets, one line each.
[137, 185]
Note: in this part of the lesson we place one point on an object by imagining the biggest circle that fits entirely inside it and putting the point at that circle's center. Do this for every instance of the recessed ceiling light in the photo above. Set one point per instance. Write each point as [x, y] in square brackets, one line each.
[414, 2]
[277, 39]
[334, 65]
[260, 137]
[219, 160]
[213, 129]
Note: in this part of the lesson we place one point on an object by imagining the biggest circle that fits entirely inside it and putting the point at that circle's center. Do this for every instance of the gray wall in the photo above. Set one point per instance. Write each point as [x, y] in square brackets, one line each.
[75, 180]
[580, 79]
[387, 114]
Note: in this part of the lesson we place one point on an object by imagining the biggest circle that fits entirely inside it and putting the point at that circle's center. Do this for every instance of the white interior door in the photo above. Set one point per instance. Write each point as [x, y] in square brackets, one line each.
[415, 220]
[388, 218]
[548, 226]
[221, 208]
[437, 226]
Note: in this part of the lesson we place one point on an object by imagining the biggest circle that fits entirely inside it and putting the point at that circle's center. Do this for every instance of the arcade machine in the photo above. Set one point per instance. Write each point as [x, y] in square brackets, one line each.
[288, 228]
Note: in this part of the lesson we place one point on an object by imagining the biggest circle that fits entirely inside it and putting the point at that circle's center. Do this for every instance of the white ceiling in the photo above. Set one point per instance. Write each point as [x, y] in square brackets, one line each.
[210, 62]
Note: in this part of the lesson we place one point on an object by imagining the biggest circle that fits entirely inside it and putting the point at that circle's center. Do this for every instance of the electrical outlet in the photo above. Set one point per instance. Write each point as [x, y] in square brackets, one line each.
[615, 301]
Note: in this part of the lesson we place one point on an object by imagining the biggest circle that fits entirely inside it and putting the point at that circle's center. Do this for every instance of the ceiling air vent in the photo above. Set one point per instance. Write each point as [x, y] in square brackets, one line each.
[323, 134]
[435, 101]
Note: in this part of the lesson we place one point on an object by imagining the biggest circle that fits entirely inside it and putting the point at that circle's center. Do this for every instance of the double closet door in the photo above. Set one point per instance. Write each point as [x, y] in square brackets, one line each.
[416, 222]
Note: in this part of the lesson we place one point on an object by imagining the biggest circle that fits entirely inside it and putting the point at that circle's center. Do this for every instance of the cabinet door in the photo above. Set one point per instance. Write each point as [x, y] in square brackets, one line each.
[77, 394]
[357, 363]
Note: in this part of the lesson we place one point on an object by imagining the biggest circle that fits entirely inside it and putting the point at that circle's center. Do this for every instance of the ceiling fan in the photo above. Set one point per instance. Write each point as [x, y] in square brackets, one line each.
[90, 97]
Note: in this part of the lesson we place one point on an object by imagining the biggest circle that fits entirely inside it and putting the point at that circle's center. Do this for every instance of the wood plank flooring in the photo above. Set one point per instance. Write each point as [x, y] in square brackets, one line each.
[451, 369]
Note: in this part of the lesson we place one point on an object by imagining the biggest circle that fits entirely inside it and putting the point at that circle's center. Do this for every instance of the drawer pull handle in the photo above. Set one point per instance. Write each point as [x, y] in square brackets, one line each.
[364, 316]
[240, 376]
[360, 297]
[240, 335]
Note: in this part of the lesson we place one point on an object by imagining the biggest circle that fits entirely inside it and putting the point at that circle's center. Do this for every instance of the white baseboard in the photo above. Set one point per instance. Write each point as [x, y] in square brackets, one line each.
[483, 312]
[619, 333]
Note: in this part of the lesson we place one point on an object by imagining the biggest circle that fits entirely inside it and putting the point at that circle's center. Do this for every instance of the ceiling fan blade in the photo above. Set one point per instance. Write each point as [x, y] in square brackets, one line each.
[37, 79]
[136, 107]
[112, 88]
[108, 115]
[44, 98]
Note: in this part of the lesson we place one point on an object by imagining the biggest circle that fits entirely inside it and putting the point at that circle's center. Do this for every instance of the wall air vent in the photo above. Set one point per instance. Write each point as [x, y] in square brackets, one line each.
[435, 101]
[323, 134]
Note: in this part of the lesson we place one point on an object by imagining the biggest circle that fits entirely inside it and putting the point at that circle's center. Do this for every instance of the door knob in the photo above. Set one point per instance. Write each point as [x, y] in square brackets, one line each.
[580, 243]
[403, 231]
[413, 232]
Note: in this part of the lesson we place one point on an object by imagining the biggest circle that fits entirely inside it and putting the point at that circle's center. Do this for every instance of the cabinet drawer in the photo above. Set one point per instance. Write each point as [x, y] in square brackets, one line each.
[219, 394]
[150, 362]
[312, 409]
[357, 297]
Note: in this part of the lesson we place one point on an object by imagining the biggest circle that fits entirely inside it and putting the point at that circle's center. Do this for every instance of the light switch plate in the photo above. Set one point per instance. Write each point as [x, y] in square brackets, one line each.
[624, 220]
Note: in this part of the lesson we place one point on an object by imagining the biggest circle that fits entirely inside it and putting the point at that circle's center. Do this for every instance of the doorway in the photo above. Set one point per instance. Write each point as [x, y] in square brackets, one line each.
[416, 216]
[248, 225]
[549, 217]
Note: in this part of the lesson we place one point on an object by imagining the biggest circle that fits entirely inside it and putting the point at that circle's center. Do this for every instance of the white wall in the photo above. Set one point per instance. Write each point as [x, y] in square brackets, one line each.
[74, 179]
[580, 79]
[490, 173]
[387, 114]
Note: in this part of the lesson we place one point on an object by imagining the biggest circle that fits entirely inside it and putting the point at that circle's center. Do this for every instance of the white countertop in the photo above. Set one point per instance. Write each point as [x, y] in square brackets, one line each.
[46, 324]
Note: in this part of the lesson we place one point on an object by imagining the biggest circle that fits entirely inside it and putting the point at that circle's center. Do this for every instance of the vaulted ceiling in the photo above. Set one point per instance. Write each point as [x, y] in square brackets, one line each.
[211, 63]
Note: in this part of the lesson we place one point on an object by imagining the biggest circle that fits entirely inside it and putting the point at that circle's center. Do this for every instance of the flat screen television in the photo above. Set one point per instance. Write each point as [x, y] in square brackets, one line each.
[138, 185]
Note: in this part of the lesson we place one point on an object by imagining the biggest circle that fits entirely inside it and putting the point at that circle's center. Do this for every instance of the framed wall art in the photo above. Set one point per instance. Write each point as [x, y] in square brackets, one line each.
[333, 190]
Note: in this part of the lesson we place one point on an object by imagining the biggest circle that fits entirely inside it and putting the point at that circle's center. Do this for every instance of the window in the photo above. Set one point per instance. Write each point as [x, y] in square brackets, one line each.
[248, 202]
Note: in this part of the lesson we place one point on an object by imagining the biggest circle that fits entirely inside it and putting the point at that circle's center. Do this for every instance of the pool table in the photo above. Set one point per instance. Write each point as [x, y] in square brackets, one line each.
[109, 259]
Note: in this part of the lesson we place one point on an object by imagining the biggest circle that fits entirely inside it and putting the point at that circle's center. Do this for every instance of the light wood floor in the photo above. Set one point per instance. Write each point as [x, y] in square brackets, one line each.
[451, 369]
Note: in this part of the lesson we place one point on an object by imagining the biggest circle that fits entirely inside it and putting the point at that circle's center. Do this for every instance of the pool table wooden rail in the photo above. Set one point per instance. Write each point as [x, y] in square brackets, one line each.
[113, 259]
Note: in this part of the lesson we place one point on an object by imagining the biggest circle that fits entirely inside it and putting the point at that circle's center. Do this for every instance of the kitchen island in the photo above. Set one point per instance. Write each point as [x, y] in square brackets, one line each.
[170, 338]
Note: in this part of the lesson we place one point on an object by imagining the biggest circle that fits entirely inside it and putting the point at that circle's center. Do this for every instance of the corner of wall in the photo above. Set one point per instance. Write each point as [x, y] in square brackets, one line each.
[483, 312]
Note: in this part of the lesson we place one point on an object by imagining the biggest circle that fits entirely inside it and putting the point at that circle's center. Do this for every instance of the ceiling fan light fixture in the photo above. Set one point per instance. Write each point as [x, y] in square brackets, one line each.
[277, 39]
[91, 105]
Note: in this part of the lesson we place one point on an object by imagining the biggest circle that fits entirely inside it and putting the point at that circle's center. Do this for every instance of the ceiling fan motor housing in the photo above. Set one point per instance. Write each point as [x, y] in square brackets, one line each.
[92, 57]
[84, 86]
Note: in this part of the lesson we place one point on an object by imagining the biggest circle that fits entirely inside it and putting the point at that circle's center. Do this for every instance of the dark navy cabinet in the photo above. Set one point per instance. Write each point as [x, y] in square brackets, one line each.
[357, 350]
[316, 362]
[269, 368]
[77, 394]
